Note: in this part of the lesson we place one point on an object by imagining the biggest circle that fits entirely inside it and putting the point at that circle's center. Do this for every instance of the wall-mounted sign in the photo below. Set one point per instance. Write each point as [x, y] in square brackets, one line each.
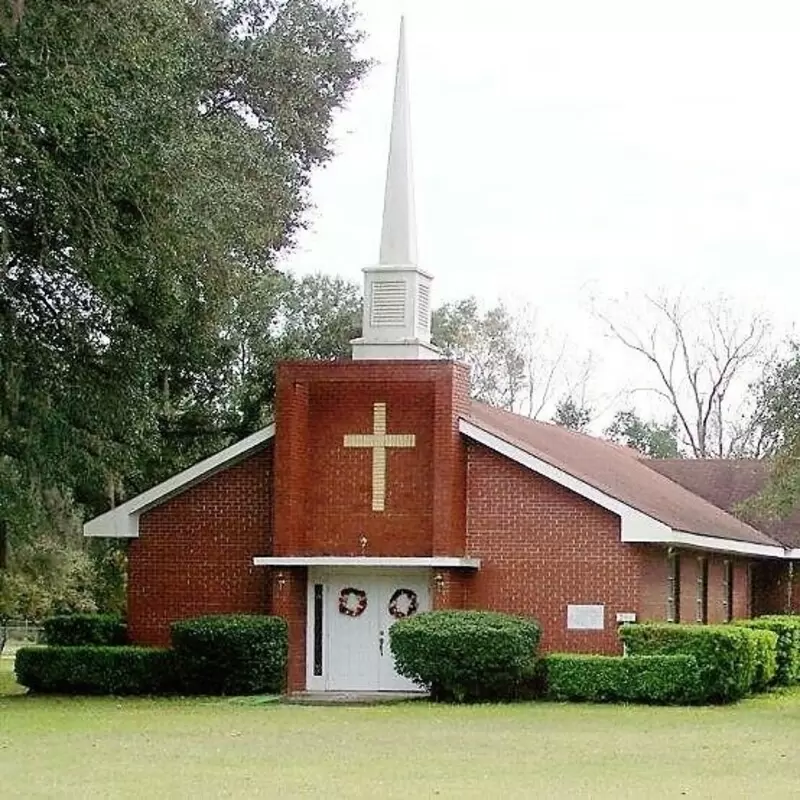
[586, 618]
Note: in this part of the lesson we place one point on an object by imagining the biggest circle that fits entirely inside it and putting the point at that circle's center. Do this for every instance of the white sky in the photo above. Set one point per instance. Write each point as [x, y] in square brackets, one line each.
[565, 149]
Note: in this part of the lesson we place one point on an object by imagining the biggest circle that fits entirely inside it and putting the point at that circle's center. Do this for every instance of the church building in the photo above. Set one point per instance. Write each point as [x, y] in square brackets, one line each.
[382, 490]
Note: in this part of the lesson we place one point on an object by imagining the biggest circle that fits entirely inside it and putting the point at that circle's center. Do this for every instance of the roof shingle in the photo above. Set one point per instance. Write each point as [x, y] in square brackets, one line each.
[618, 472]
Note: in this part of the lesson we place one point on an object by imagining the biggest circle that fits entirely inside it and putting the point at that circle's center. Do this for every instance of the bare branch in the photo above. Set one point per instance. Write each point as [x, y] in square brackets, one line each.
[700, 357]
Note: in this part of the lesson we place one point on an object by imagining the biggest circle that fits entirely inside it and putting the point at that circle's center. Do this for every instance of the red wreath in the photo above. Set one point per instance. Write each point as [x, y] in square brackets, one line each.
[411, 603]
[346, 606]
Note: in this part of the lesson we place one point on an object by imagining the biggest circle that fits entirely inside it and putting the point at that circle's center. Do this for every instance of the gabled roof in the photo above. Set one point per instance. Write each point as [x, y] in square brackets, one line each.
[727, 483]
[617, 476]
[123, 521]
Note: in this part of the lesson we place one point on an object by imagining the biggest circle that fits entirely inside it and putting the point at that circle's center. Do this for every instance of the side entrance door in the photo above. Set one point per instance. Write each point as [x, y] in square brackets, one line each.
[360, 609]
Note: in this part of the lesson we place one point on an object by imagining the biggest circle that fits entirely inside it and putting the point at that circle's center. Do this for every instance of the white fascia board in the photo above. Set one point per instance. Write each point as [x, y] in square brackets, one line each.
[793, 553]
[635, 526]
[701, 542]
[122, 522]
[367, 561]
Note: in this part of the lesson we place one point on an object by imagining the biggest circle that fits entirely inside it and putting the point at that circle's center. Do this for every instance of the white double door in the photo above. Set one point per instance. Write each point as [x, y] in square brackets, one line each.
[356, 627]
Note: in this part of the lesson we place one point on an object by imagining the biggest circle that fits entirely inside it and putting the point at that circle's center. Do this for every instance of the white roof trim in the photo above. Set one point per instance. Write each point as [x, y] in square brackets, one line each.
[367, 561]
[123, 521]
[635, 525]
[686, 539]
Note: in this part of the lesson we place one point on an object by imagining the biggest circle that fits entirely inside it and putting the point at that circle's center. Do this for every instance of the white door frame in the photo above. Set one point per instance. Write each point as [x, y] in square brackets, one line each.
[324, 576]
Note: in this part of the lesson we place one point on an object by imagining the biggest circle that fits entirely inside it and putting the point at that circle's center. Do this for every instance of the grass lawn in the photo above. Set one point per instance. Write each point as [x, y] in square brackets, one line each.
[104, 747]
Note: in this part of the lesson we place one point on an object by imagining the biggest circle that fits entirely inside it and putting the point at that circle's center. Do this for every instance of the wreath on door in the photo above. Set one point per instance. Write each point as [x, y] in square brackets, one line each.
[352, 602]
[403, 603]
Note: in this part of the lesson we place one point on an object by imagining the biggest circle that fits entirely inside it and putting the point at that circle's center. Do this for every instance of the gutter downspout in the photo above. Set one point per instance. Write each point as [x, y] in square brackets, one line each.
[790, 588]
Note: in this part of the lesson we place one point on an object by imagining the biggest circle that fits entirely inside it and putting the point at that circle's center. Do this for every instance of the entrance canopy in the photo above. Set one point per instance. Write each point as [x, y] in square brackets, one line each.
[452, 562]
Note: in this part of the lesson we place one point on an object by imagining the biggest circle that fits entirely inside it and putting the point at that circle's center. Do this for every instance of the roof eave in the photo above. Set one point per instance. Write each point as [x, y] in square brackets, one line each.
[636, 527]
[122, 522]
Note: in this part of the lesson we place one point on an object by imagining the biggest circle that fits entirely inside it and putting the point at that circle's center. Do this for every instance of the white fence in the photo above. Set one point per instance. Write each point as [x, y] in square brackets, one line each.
[21, 630]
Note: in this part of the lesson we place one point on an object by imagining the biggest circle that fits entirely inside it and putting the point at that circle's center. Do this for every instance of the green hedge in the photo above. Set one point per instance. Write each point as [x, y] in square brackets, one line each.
[465, 656]
[96, 670]
[232, 654]
[670, 679]
[765, 652]
[728, 657]
[77, 630]
[787, 629]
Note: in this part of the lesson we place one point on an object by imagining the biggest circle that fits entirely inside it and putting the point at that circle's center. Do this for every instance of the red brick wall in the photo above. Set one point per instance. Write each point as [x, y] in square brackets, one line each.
[289, 600]
[323, 501]
[194, 553]
[654, 587]
[323, 491]
[543, 547]
[772, 593]
[339, 500]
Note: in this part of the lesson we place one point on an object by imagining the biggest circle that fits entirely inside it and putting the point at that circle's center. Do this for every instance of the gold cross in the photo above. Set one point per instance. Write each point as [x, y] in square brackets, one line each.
[379, 440]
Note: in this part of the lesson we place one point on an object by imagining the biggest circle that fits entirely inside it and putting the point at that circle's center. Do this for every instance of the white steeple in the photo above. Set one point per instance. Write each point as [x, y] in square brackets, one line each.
[397, 307]
[399, 233]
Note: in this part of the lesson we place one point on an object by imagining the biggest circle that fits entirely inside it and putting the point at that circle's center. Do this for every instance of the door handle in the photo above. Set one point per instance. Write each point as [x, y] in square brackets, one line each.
[380, 642]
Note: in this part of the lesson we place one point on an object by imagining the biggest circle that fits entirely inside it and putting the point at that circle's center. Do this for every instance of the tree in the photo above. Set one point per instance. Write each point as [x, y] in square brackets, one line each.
[775, 434]
[701, 358]
[283, 317]
[652, 439]
[570, 414]
[513, 361]
[154, 158]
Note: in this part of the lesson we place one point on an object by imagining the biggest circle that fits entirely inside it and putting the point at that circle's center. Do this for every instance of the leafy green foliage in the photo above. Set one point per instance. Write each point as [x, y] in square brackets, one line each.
[96, 670]
[465, 656]
[777, 422]
[235, 654]
[667, 679]
[727, 656]
[787, 629]
[570, 414]
[489, 343]
[72, 630]
[765, 655]
[281, 318]
[154, 159]
[652, 439]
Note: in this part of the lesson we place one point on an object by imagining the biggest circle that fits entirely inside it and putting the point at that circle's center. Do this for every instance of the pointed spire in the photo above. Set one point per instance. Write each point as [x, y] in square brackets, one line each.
[399, 233]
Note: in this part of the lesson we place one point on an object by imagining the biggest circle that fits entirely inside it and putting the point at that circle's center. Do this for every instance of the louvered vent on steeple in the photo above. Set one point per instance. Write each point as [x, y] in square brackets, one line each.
[424, 310]
[388, 304]
[397, 293]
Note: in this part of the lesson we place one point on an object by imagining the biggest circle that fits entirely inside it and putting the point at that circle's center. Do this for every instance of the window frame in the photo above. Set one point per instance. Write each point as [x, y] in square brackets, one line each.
[673, 586]
[701, 598]
[728, 579]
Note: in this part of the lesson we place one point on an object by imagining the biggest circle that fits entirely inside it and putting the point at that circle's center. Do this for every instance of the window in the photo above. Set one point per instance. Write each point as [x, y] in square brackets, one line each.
[318, 598]
[701, 614]
[673, 587]
[727, 590]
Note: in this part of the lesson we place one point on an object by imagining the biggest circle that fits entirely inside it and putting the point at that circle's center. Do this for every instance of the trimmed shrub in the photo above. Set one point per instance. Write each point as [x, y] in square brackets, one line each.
[465, 656]
[726, 655]
[77, 630]
[232, 654]
[96, 670]
[787, 629]
[634, 679]
[765, 654]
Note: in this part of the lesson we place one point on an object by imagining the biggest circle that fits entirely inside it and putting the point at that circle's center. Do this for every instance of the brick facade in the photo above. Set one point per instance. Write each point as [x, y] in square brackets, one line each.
[541, 546]
[194, 552]
[323, 490]
[776, 587]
